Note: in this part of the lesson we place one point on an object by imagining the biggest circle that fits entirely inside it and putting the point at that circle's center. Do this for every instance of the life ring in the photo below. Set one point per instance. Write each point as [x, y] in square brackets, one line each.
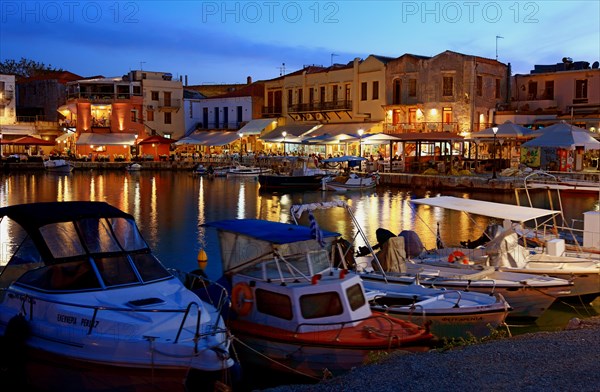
[242, 299]
[458, 256]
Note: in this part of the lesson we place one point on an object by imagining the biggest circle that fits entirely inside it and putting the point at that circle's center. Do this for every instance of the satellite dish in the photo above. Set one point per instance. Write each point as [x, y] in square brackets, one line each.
[595, 65]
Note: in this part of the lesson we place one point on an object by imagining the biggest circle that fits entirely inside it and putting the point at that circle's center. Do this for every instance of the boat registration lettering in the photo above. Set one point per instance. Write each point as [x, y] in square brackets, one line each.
[72, 320]
[63, 318]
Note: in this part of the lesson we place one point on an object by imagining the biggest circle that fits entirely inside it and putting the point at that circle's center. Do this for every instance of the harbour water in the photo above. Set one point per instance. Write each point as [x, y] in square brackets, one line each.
[170, 208]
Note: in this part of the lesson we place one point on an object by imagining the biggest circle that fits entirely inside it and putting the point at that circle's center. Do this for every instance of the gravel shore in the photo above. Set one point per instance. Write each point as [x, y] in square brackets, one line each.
[545, 361]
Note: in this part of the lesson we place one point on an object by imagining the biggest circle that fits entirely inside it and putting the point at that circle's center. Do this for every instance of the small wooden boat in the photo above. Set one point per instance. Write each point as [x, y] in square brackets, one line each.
[292, 312]
[96, 310]
[246, 171]
[351, 182]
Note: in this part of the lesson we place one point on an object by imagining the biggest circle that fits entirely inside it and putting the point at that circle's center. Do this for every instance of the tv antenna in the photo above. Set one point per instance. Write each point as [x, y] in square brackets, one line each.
[332, 56]
[142, 65]
[282, 69]
[497, 37]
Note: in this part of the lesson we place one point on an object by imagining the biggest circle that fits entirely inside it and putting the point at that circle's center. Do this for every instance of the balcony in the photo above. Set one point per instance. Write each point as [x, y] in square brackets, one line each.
[272, 111]
[327, 106]
[169, 105]
[101, 98]
[421, 127]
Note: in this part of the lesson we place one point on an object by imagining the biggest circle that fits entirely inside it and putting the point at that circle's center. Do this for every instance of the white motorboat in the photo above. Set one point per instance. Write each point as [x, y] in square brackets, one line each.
[449, 313]
[528, 295]
[58, 166]
[350, 182]
[506, 254]
[133, 167]
[246, 171]
[101, 311]
[292, 312]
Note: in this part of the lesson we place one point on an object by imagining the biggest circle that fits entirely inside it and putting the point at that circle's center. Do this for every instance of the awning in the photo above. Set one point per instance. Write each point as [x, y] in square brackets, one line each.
[23, 130]
[65, 109]
[294, 133]
[106, 139]
[487, 208]
[28, 141]
[203, 138]
[346, 128]
[378, 138]
[64, 137]
[255, 127]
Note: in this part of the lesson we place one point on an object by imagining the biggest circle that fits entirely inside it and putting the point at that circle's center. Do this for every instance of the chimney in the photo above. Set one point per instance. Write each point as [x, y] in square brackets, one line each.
[249, 80]
[186, 80]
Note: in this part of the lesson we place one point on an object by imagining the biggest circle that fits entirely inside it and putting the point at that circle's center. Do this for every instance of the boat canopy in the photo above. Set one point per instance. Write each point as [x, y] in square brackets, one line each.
[487, 208]
[245, 242]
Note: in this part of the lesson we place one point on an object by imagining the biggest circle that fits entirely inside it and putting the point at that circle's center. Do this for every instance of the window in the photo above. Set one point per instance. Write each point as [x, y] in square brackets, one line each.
[334, 93]
[412, 87]
[225, 117]
[321, 305]
[412, 116]
[447, 115]
[311, 97]
[322, 94]
[290, 99]
[581, 88]
[396, 92]
[532, 90]
[205, 118]
[448, 86]
[479, 85]
[239, 114]
[363, 91]
[134, 116]
[355, 296]
[549, 89]
[376, 90]
[217, 122]
[154, 95]
[167, 117]
[274, 304]
[497, 95]
[300, 96]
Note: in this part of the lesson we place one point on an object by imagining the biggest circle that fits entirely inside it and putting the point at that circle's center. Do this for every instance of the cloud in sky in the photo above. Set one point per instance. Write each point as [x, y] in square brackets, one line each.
[225, 41]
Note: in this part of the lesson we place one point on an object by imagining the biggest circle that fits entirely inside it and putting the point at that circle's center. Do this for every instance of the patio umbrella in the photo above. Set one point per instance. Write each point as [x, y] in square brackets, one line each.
[28, 141]
[507, 130]
[563, 135]
[156, 139]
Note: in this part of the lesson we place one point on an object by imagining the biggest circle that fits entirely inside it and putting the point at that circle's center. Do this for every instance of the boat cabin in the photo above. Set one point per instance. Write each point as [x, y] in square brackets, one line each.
[75, 246]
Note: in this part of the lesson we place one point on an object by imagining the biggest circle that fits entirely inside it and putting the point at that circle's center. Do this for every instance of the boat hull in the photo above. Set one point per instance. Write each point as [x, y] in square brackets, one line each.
[281, 182]
[320, 353]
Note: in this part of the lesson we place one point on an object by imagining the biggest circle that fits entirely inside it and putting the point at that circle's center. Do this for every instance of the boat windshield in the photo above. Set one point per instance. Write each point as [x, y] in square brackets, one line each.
[83, 255]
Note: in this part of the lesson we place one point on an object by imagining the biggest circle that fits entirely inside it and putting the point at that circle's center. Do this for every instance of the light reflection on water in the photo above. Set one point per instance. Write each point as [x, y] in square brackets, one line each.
[170, 208]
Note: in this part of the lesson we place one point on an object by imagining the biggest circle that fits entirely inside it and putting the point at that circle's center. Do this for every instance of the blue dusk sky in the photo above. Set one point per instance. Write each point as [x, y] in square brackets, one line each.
[226, 41]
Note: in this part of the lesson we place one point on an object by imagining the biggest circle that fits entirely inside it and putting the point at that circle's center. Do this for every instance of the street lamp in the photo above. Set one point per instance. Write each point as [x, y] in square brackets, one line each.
[495, 129]
[360, 134]
[284, 134]
[241, 134]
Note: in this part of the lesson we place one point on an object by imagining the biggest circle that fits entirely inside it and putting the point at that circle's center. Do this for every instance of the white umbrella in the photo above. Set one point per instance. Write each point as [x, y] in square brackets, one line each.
[563, 135]
[505, 131]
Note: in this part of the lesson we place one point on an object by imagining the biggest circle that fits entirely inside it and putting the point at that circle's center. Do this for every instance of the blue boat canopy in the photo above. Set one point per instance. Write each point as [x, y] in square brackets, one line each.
[274, 232]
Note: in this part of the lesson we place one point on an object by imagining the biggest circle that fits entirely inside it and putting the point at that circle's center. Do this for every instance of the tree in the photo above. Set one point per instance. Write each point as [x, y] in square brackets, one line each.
[25, 67]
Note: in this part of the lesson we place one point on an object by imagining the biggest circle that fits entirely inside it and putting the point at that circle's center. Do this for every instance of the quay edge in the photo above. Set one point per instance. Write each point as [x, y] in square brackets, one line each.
[472, 183]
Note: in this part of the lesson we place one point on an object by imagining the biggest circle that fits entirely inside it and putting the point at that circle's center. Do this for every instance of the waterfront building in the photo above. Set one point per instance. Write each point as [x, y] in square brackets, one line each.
[107, 114]
[327, 101]
[567, 91]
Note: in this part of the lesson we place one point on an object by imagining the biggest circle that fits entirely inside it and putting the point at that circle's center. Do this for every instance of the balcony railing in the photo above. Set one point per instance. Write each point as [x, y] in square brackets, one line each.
[169, 104]
[422, 127]
[272, 111]
[320, 106]
[98, 97]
